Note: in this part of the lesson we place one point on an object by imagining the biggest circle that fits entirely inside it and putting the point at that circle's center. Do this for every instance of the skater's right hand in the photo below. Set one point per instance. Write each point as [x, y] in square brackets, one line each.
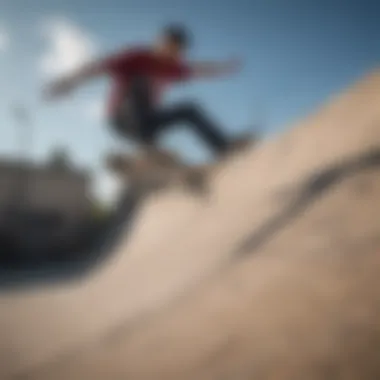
[59, 88]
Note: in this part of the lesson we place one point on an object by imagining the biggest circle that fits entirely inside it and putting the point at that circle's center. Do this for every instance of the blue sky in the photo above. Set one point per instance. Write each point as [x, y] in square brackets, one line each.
[296, 53]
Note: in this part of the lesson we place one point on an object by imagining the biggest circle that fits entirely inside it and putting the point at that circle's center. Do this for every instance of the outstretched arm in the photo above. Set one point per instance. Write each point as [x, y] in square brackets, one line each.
[215, 69]
[124, 59]
[66, 84]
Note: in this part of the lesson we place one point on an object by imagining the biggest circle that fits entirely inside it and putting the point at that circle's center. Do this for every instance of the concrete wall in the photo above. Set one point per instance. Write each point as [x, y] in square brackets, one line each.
[44, 188]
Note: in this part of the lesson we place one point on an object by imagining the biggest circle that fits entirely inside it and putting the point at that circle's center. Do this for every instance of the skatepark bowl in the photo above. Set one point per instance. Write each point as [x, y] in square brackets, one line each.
[31, 253]
[275, 276]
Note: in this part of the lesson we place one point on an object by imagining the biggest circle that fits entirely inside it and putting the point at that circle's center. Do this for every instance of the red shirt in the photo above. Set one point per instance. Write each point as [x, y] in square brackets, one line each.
[123, 66]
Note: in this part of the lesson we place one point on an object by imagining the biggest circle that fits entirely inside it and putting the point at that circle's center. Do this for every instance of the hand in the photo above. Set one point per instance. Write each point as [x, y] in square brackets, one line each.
[59, 88]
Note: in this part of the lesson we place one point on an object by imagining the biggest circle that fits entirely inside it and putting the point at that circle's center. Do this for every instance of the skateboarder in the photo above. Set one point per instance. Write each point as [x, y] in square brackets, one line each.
[139, 75]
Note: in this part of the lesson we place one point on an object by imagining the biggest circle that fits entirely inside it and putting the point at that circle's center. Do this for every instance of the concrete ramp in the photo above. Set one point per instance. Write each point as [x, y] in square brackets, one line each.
[275, 278]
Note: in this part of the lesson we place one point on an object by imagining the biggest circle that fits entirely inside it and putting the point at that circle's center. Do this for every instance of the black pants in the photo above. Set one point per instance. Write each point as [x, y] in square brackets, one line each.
[138, 119]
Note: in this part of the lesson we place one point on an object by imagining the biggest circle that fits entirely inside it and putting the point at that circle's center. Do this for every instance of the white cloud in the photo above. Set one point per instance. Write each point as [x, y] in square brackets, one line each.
[4, 40]
[68, 47]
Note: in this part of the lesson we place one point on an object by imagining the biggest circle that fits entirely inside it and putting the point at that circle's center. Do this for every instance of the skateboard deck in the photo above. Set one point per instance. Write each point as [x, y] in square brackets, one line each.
[161, 168]
[159, 173]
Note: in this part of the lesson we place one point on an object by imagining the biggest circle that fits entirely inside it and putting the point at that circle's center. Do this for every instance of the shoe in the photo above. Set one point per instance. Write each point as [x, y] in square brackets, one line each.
[242, 143]
[116, 162]
[161, 157]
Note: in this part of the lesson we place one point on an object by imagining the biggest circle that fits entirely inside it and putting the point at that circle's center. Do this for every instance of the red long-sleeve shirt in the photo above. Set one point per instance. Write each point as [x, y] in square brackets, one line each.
[141, 61]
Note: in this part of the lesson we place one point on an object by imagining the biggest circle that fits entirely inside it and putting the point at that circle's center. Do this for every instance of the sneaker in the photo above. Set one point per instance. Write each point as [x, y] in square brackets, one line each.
[242, 143]
[161, 157]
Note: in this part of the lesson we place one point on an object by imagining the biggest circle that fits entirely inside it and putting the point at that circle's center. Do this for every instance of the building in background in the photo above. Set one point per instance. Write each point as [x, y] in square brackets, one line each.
[44, 208]
[51, 188]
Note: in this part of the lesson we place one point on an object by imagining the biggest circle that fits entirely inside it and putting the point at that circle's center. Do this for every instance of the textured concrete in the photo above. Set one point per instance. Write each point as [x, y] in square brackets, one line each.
[275, 278]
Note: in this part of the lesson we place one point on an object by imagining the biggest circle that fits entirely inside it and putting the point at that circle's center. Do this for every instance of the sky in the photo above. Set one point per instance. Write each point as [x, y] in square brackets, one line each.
[296, 54]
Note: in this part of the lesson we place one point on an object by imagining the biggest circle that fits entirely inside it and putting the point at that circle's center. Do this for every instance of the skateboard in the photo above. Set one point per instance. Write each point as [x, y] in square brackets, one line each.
[159, 169]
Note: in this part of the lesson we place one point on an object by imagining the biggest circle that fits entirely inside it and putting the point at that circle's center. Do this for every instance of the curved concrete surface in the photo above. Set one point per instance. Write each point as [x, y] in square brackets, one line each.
[275, 278]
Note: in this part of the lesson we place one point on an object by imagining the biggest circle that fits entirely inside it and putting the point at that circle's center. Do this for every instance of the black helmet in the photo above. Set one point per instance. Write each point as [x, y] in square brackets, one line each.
[178, 34]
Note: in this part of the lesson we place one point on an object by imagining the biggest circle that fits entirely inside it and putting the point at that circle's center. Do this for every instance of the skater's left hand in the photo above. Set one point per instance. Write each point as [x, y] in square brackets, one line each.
[59, 88]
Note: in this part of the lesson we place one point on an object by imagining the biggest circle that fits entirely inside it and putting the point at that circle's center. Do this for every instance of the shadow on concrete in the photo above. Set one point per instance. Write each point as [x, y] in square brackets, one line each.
[313, 189]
